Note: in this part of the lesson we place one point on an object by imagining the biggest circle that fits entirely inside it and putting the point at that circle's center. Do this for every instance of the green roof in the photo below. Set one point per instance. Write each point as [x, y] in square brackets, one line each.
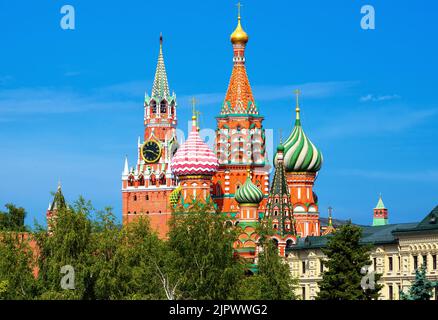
[380, 204]
[429, 223]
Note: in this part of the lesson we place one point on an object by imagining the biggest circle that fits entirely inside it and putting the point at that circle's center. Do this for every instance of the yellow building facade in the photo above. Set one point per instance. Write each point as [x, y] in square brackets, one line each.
[398, 250]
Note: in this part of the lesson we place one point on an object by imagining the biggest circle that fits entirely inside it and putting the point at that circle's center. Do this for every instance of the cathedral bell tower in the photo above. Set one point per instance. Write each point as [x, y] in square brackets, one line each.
[147, 185]
[240, 137]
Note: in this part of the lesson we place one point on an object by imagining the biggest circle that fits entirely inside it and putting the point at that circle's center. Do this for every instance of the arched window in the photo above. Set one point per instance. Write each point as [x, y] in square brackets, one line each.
[141, 181]
[153, 179]
[172, 108]
[147, 197]
[289, 243]
[153, 106]
[162, 179]
[130, 181]
[163, 106]
[135, 198]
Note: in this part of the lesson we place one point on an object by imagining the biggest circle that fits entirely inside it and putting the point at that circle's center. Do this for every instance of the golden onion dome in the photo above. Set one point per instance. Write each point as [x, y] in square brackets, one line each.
[239, 36]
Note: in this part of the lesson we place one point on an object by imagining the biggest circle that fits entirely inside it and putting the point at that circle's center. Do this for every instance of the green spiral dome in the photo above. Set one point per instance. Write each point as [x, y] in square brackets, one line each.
[175, 195]
[300, 154]
[248, 193]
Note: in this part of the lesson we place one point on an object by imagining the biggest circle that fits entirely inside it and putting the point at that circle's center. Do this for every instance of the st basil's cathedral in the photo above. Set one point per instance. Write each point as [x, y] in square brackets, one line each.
[234, 177]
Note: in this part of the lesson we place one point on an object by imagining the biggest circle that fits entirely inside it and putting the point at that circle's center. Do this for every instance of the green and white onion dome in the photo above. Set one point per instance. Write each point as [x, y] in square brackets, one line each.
[300, 154]
[248, 193]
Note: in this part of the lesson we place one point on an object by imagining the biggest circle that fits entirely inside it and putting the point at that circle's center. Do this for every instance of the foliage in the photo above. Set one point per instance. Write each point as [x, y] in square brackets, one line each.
[13, 219]
[421, 289]
[346, 257]
[204, 258]
[273, 280]
[16, 263]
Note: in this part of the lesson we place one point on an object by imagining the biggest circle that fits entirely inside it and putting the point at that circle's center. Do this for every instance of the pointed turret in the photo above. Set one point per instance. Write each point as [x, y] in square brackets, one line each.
[279, 208]
[160, 89]
[57, 204]
[380, 213]
[125, 173]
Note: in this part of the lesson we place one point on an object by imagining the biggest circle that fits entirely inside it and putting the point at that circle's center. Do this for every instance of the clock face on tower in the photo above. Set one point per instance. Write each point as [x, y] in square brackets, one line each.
[151, 151]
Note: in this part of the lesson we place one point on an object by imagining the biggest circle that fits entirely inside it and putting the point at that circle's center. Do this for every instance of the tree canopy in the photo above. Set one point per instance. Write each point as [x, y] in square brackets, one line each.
[347, 261]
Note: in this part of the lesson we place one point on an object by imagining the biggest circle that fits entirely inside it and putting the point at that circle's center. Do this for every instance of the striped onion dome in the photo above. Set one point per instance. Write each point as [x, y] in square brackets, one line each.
[194, 157]
[175, 195]
[248, 193]
[300, 154]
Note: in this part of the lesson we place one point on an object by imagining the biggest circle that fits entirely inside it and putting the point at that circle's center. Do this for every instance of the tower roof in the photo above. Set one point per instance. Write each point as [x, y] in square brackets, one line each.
[279, 190]
[194, 157]
[160, 88]
[239, 99]
[58, 200]
[248, 193]
[380, 204]
[300, 154]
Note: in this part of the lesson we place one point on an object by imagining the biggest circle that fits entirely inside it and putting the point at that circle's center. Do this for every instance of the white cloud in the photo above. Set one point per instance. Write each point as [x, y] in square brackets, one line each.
[374, 98]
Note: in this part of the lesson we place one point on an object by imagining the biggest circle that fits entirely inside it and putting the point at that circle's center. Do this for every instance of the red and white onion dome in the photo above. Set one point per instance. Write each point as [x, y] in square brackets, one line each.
[194, 157]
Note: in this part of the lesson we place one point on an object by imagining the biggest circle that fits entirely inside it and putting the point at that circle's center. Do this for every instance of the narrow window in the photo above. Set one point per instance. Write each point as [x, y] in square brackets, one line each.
[391, 292]
[415, 263]
[390, 264]
[147, 197]
[434, 262]
[375, 263]
[303, 265]
[303, 292]
[425, 261]
[321, 266]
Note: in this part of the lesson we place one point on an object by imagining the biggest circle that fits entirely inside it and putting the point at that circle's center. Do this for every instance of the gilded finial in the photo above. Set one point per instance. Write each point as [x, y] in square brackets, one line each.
[193, 101]
[297, 108]
[248, 172]
[239, 36]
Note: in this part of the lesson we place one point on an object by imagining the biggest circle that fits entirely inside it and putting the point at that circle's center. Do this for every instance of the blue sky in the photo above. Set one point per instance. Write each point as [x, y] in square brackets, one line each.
[71, 100]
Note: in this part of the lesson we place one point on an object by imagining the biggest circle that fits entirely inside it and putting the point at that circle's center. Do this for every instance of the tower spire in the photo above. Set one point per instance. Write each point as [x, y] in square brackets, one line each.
[160, 88]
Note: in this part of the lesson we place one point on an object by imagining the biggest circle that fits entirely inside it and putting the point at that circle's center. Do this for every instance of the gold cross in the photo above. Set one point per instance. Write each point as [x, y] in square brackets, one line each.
[194, 101]
[239, 5]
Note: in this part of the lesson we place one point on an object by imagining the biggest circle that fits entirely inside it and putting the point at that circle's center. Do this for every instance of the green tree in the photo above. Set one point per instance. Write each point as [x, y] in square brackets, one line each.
[421, 289]
[204, 259]
[137, 263]
[16, 267]
[13, 218]
[273, 281]
[346, 258]
[67, 244]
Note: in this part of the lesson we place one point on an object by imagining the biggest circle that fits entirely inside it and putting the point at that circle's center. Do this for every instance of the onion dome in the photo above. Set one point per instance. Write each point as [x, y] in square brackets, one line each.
[194, 157]
[248, 193]
[300, 154]
[239, 36]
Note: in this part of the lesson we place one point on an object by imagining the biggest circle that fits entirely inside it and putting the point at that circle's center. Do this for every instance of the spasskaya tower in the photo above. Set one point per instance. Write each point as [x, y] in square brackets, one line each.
[146, 186]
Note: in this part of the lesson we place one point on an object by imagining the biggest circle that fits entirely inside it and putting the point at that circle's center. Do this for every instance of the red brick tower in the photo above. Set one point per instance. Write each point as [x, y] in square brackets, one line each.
[147, 186]
[240, 137]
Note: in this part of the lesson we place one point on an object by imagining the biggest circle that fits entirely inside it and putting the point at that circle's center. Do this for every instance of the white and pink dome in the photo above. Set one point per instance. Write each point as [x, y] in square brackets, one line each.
[194, 157]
